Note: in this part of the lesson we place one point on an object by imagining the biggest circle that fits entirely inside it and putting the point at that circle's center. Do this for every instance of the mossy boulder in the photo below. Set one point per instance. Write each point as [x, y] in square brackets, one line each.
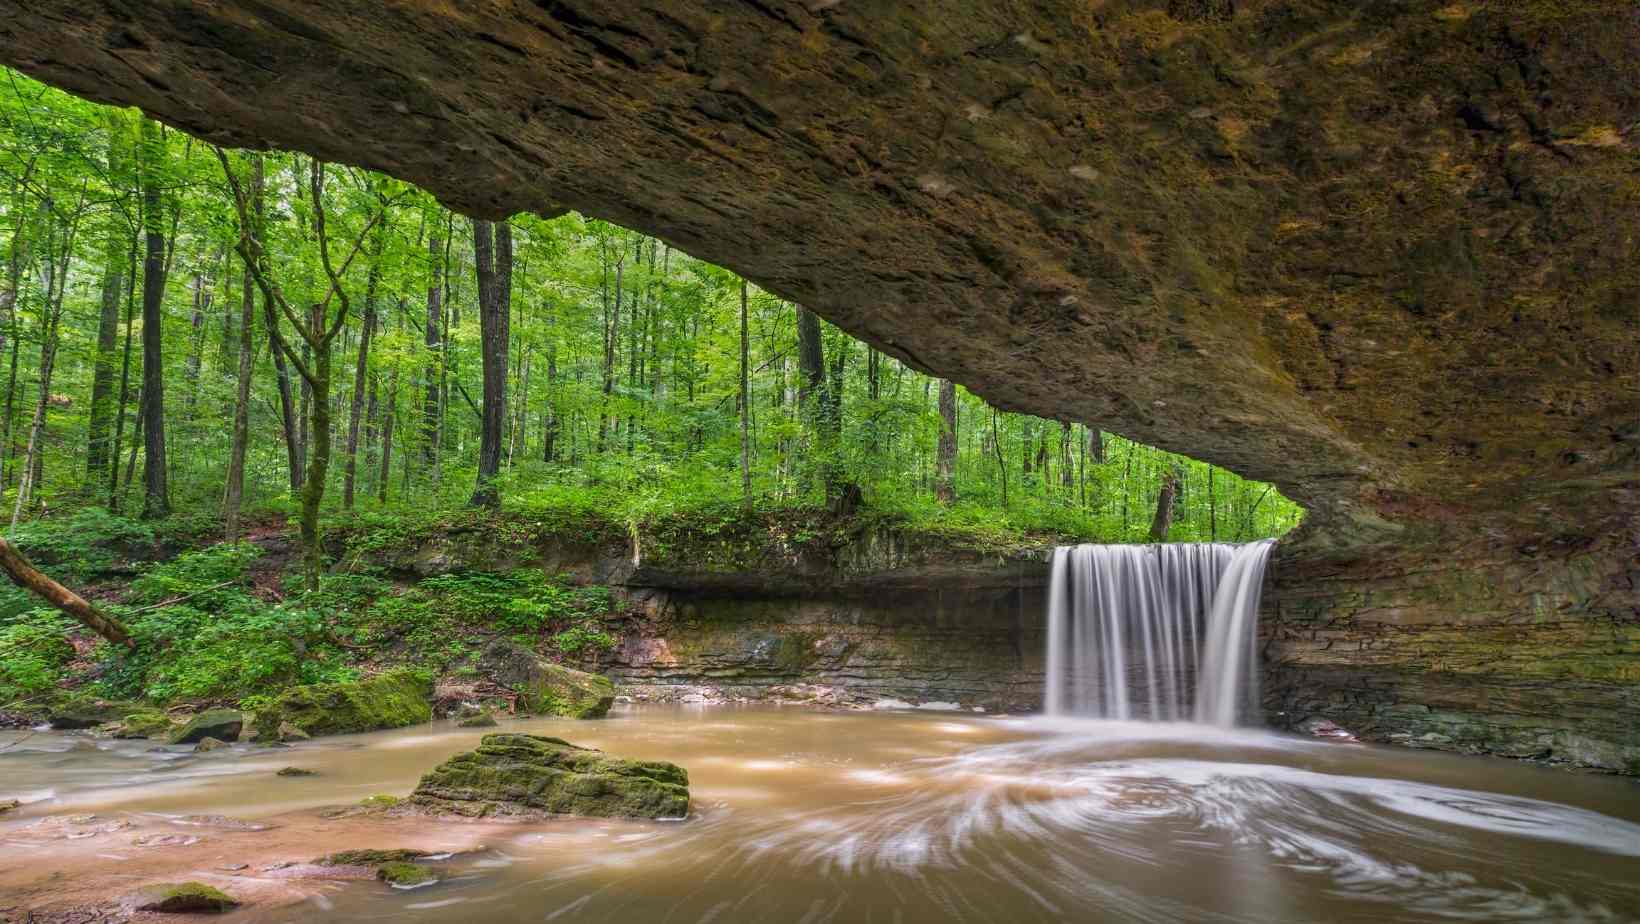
[545, 688]
[86, 713]
[391, 700]
[146, 723]
[185, 898]
[221, 724]
[403, 875]
[370, 857]
[482, 720]
[529, 774]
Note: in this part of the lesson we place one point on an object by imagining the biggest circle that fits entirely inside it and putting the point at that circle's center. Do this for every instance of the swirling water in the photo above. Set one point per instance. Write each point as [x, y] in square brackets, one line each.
[922, 817]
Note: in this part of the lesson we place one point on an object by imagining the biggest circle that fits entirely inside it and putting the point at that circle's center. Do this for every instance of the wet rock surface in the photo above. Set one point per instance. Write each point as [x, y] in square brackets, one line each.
[536, 775]
[545, 688]
[390, 700]
[219, 724]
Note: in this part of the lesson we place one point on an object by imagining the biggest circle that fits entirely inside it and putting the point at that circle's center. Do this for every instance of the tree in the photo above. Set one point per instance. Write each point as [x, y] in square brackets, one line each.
[318, 330]
[1163, 521]
[745, 407]
[234, 492]
[944, 478]
[493, 256]
[156, 501]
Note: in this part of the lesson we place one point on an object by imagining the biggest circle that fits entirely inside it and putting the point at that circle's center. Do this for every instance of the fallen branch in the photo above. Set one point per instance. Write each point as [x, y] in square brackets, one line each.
[31, 579]
[175, 600]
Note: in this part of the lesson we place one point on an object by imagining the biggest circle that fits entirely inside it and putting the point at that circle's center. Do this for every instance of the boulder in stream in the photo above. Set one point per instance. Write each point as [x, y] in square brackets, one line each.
[511, 774]
[221, 724]
[390, 700]
[145, 723]
[185, 898]
[208, 744]
[545, 688]
[482, 720]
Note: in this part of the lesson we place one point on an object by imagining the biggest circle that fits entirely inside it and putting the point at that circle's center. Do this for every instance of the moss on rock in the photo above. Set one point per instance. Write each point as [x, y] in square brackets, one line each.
[370, 857]
[405, 875]
[147, 723]
[391, 700]
[185, 898]
[545, 688]
[221, 724]
[529, 774]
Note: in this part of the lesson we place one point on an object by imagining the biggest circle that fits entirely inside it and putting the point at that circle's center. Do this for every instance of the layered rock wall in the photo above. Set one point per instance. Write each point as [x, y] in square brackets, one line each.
[1522, 652]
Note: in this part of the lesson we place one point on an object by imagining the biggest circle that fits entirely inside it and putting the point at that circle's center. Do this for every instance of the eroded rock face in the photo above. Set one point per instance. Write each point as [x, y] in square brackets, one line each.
[1386, 255]
[531, 774]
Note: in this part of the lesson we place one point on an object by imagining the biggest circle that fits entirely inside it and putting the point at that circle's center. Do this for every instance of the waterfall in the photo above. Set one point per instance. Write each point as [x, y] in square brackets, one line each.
[1162, 632]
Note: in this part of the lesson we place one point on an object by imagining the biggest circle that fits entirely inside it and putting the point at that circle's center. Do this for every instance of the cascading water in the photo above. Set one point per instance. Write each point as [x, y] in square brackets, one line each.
[1164, 632]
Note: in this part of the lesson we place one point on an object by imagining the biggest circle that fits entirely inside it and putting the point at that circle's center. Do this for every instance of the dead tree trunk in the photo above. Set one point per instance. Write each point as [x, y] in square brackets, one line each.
[31, 579]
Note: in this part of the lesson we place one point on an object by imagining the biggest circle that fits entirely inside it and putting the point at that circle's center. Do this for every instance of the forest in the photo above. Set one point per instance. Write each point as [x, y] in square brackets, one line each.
[201, 342]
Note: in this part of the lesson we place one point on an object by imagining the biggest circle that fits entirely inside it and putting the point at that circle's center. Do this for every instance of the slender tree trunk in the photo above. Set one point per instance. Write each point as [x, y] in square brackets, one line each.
[387, 435]
[1002, 463]
[1212, 508]
[435, 317]
[362, 369]
[114, 493]
[100, 426]
[156, 501]
[234, 493]
[492, 252]
[946, 462]
[745, 403]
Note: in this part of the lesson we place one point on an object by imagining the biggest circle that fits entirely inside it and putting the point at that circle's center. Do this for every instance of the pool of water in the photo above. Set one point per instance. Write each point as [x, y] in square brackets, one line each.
[809, 817]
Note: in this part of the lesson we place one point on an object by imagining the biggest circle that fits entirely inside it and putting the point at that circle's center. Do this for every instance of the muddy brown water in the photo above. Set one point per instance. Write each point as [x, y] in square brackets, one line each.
[893, 817]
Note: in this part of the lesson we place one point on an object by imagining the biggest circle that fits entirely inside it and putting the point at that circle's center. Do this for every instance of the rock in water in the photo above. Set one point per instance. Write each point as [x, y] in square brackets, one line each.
[208, 744]
[405, 875]
[530, 774]
[296, 771]
[149, 723]
[482, 720]
[391, 700]
[185, 898]
[545, 688]
[221, 724]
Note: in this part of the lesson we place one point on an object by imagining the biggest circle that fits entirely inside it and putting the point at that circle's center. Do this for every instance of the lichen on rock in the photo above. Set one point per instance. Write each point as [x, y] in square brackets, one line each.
[390, 700]
[405, 875]
[511, 774]
[545, 688]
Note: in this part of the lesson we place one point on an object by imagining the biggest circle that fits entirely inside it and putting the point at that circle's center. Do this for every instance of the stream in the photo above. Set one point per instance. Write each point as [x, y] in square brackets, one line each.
[807, 817]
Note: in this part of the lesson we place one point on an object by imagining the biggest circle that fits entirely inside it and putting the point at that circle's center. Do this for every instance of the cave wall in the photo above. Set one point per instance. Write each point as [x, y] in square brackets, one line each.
[1386, 254]
[971, 647]
[1522, 652]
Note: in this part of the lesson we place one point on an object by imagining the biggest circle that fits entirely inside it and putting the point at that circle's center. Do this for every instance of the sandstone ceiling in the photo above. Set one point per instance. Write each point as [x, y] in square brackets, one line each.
[1385, 254]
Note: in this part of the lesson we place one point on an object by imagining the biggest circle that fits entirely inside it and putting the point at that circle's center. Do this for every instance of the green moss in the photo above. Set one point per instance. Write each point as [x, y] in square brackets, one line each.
[525, 774]
[185, 898]
[405, 875]
[545, 688]
[369, 857]
[389, 700]
[149, 723]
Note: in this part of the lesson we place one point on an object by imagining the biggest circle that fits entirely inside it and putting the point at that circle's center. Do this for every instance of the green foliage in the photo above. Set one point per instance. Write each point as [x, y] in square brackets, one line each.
[581, 637]
[33, 652]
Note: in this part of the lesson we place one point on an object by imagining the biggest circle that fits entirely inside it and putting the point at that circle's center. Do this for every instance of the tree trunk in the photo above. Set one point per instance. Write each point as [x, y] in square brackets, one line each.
[1096, 445]
[435, 316]
[493, 257]
[745, 403]
[156, 501]
[30, 578]
[234, 494]
[362, 369]
[100, 454]
[1163, 520]
[946, 459]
